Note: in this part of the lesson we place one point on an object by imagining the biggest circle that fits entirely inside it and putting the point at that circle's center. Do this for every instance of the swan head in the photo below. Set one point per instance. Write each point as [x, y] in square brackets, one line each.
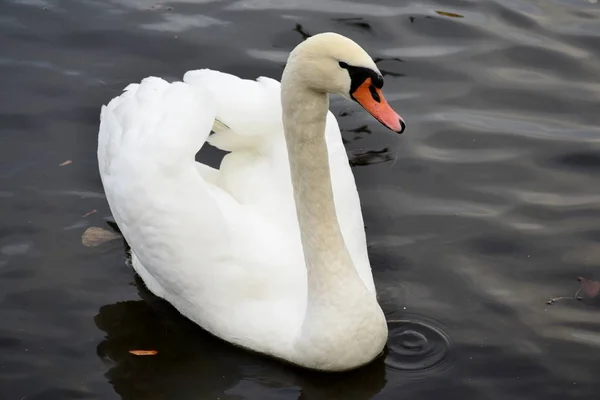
[332, 63]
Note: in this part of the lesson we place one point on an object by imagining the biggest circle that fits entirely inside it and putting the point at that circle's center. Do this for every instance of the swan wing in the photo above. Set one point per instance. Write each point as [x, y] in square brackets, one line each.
[223, 246]
[146, 145]
[217, 260]
[257, 170]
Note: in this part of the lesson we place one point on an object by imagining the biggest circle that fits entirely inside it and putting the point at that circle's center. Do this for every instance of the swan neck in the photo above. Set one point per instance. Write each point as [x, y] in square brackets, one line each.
[327, 258]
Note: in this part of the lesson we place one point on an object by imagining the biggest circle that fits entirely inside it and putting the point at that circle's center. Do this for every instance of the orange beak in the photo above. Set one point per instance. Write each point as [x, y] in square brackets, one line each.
[372, 100]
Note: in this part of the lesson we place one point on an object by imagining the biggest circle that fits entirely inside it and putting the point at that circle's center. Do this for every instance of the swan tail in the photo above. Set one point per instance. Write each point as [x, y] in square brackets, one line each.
[251, 110]
[164, 123]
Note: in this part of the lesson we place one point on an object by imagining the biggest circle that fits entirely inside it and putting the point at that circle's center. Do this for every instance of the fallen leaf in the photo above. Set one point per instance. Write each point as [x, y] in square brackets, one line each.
[589, 288]
[95, 236]
[89, 213]
[144, 352]
[62, 164]
[449, 14]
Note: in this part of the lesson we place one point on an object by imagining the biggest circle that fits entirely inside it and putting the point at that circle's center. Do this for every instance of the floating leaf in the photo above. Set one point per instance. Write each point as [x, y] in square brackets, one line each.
[62, 164]
[589, 288]
[95, 236]
[144, 352]
[449, 14]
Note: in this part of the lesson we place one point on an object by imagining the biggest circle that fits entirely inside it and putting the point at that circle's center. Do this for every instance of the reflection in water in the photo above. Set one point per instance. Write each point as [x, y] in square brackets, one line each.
[367, 157]
[191, 363]
[302, 32]
[385, 61]
[357, 22]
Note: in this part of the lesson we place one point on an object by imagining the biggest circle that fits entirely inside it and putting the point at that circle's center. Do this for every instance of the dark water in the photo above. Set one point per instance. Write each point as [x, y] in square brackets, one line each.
[484, 209]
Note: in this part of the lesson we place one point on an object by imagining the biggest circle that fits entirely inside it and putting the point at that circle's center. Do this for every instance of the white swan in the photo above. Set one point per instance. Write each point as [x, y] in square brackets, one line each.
[268, 252]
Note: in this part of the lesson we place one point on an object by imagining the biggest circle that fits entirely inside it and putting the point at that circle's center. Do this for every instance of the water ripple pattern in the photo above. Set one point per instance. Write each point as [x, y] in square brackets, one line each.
[415, 346]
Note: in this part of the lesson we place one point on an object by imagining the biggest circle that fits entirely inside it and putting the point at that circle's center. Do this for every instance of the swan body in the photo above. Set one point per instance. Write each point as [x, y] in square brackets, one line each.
[268, 252]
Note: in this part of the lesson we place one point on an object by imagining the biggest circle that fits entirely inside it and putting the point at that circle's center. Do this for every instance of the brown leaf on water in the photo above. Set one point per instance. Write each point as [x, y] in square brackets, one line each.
[62, 164]
[95, 236]
[589, 288]
[449, 14]
[87, 214]
[144, 352]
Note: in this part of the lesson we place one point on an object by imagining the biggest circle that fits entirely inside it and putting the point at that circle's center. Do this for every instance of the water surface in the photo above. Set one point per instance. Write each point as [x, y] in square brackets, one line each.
[484, 209]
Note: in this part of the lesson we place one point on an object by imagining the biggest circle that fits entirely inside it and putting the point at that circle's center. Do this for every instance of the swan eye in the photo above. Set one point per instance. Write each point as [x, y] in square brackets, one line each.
[358, 75]
[378, 81]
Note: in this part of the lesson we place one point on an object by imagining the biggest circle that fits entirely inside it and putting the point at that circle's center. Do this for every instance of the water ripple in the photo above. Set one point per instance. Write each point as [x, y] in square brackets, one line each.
[415, 346]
